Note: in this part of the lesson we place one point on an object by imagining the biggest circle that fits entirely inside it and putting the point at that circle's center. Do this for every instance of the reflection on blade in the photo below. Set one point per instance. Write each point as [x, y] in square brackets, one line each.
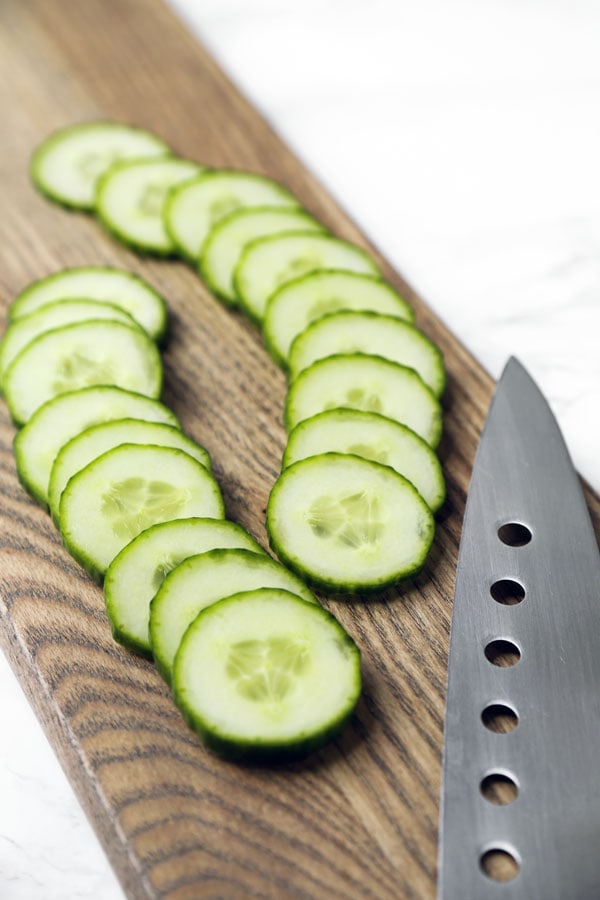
[521, 785]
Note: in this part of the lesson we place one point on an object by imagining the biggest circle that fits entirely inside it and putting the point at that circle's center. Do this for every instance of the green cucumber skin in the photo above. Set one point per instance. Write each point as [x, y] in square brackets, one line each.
[438, 388]
[27, 486]
[150, 346]
[303, 217]
[125, 641]
[208, 173]
[188, 442]
[235, 749]
[363, 416]
[348, 589]
[289, 425]
[329, 586]
[94, 309]
[178, 252]
[97, 574]
[57, 136]
[122, 636]
[164, 669]
[169, 418]
[169, 252]
[269, 340]
[243, 301]
[160, 337]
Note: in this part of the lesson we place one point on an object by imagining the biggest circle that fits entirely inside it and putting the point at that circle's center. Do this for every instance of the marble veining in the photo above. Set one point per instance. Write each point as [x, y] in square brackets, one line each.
[464, 138]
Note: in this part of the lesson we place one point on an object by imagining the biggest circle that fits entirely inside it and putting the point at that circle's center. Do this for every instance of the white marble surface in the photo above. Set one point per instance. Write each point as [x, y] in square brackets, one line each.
[464, 137]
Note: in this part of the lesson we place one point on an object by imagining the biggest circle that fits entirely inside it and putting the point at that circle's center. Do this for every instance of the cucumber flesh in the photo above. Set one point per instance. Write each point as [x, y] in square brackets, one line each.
[373, 437]
[263, 675]
[95, 441]
[67, 165]
[226, 241]
[123, 289]
[205, 579]
[137, 572]
[77, 356]
[125, 491]
[370, 383]
[269, 262]
[299, 302]
[350, 331]
[348, 524]
[194, 208]
[62, 312]
[130, 199]
[58, 421]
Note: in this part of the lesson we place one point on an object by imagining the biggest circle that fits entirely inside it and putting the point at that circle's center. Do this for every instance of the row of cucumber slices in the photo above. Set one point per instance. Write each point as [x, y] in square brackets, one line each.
[353, 509]
[242, 641]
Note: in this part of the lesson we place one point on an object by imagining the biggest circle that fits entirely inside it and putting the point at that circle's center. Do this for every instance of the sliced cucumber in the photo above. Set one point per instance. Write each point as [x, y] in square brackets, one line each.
[67, 165]
[348, 524]
[269, 262]
[225, 242]
[201, 580]
[137, 572]
[373, 437]
[128, 291]
[371, 383]
[193, 208]
[62, 312]
[59, 420]
[81, 355]
[299, 302]
[125, 491]
[264, 675]
[351, 331]
[130, 199]
[97, 439]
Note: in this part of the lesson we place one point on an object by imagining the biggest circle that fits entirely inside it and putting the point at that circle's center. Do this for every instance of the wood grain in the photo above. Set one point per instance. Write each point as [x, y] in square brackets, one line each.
[360, 818]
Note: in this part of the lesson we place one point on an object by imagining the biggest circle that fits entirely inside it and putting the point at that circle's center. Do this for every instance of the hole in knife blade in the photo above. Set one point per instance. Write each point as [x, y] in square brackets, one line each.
[500, 718]
[514, 534]
[502, 653]
[507, 592]
[499, 788]
[499, 864]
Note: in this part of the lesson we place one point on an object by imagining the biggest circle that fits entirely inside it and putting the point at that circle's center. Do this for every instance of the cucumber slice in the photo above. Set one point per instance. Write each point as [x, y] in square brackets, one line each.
[269, 262]
[301, 301]
[56, 422]
[67, 165]
[81, 355]
[193, 208]
[263, 675]
[371, 383]
[125, 491]
[62, 312]
[95, 441]
[128, 291]
[351, 331]
[348, 524]
[373, 437]
[201, 580]
[130, 199]
[137, 572]
[225, 242]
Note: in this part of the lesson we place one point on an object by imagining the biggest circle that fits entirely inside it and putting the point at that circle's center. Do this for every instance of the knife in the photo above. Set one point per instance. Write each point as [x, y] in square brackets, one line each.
[520, 806]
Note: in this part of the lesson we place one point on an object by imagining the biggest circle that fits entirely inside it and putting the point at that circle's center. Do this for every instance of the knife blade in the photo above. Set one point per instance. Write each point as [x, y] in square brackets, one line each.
[520, 805]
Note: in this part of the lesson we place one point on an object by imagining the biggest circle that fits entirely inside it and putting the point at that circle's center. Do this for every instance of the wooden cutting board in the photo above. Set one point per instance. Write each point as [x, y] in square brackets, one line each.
[360, 818]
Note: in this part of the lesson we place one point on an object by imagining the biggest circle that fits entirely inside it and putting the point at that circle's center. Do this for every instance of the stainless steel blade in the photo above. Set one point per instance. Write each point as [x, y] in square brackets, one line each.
[541, 600]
